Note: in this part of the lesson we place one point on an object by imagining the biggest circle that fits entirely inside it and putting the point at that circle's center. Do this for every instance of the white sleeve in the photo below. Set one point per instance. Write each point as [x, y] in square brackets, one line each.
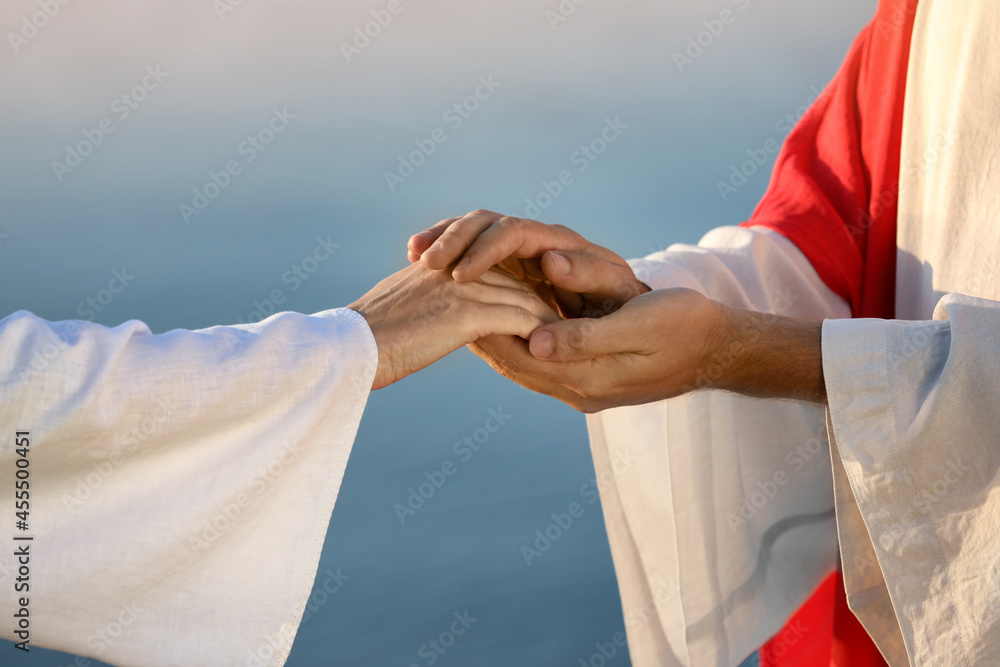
[181, 484]
[915, 409]
[718, 507]
[753, 268]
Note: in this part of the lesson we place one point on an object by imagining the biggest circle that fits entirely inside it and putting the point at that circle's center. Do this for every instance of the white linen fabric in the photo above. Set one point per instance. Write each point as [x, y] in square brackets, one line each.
[723, 525]
[181, 483]
[915, 406]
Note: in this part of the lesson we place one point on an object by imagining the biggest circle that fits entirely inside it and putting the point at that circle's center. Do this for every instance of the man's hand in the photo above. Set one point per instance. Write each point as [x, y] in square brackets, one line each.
[580, 278]
[418, 316]
[660, 345]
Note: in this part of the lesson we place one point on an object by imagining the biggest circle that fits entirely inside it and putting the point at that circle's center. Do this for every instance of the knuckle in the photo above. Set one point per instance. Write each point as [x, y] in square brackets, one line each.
[510, 222]
[523, 318]
[573, 347]
[585, 329]
[586, 245]
[528, 302]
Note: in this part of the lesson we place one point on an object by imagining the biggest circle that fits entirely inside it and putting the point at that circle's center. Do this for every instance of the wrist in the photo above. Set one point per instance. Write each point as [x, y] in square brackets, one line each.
[765, 356]
[359, 308]
[383, 372]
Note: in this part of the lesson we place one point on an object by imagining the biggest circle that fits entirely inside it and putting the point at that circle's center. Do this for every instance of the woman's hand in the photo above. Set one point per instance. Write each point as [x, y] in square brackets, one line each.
[418, 315]
[579, 278]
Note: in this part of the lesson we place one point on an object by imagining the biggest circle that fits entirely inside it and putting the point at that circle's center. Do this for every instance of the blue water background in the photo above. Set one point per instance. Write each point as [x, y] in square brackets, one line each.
[690, 123]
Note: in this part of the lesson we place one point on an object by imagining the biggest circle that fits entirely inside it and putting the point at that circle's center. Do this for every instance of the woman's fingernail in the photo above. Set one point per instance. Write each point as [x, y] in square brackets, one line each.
[436, 247]
[542, 344]
[422, 236]
[464, 263]
[561, 263]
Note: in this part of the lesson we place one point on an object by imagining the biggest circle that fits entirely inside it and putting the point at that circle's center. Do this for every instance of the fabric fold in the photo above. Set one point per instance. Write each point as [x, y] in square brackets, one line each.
[912, 405]
[728, 504]
[181, 483]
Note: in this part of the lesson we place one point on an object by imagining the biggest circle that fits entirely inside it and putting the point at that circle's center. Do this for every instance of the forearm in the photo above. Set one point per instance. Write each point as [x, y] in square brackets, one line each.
[766, 356]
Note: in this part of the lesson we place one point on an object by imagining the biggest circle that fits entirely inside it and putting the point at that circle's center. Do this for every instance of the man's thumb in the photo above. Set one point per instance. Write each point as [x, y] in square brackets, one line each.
[571, 340]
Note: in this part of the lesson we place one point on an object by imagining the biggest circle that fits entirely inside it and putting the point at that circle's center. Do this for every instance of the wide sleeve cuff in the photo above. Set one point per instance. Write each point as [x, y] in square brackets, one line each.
[914, 414]
[181, 483]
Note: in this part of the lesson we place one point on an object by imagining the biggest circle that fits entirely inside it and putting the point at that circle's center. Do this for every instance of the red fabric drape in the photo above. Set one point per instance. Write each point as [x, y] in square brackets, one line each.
[833, 193]
[834, 187]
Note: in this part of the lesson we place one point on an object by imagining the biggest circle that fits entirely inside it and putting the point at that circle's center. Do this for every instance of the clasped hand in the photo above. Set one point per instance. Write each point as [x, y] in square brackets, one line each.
[568, 318]
[515, 276]
[618, 344]
[419, 315]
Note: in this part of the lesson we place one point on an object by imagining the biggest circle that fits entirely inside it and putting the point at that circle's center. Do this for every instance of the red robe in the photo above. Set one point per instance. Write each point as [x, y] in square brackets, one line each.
[834, 194]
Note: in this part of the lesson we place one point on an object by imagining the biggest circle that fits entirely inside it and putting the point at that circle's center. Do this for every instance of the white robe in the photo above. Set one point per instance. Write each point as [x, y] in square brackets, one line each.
[914, 407]
[921, 468]
[181, 484]
[721, 530]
